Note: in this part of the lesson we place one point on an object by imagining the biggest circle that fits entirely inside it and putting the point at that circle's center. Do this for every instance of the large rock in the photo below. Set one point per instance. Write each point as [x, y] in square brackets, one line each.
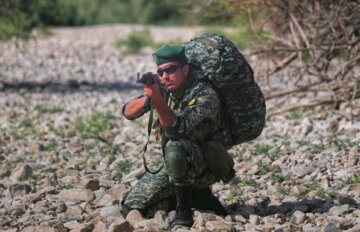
[338, 210]
[201, 218]
[23, 172]
[254, 219]
[303, 170]
[99, 227]
[77, 195]
[330, 227]
[105, 200]
[19, 189]
[82, 228]
[353, 157]
[4, 171]
[161, 220]
[117, 192]
[134, 216]
[297, 218]
[34, 147]
[121, 225]
[218, 226]
[113, 210]
[344, 199]
[90, 183]
[17, 210]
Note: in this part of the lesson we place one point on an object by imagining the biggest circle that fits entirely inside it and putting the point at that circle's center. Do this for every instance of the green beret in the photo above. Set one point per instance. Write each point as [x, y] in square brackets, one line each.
[170, 53]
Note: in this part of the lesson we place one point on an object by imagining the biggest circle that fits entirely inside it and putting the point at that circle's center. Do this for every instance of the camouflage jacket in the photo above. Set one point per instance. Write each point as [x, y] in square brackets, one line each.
[197, 108]
[198, 112]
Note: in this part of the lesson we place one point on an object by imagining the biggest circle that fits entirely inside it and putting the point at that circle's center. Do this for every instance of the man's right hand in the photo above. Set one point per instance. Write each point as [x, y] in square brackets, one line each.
[153, 91]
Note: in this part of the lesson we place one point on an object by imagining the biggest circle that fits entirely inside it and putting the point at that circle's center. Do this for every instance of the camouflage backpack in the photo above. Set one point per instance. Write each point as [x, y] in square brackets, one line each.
[215, 59]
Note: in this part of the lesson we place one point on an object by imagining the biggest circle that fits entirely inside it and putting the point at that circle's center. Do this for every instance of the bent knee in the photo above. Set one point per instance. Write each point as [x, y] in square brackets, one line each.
[177, 160]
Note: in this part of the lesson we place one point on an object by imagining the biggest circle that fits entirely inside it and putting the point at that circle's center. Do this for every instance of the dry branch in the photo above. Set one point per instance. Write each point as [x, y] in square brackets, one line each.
[321, 43]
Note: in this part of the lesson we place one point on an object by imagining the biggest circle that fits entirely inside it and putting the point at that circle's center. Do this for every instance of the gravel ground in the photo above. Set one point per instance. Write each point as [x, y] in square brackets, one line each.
[68, 157]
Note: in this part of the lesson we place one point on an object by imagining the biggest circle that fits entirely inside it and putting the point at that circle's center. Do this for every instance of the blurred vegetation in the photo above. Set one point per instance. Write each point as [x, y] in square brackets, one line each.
[135, 41]
[18, 17]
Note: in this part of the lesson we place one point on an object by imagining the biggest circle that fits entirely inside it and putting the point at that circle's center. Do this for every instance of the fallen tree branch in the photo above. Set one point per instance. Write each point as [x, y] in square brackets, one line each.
[341, 70]
[282, 64]
[292, 108]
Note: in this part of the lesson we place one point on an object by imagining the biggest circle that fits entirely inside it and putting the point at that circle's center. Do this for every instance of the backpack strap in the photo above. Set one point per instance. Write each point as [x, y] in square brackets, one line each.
[225, 114]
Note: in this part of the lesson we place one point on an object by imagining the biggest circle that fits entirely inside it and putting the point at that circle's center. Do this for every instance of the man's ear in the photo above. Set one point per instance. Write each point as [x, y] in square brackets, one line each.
[186, 69]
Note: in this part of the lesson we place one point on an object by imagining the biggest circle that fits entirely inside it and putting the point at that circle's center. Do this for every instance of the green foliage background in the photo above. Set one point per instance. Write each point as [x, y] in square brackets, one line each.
[18, 17]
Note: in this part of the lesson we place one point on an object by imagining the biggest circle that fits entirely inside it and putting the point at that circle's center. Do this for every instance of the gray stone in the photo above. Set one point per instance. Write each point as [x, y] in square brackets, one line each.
[92, 184]
[344, 199]
[303, 170]
[19, 189]
[240, 218]
[105, 200]
[22, 173]
[338, 210]
[17, 210]
[217, 226]
[107, 211]
[71, 224]
[82, 228]
[335, 220]
[74, 210]
[310, 228]
[330, 227]
[61, 208]
[254, 219]
[134, 216]
[117, 192]
[353, 157]
[77, 194]
[354, 187]
[160, 218]
[4, 171]
[99, 227]
[297, 217]
[29, 229]
[121, 225]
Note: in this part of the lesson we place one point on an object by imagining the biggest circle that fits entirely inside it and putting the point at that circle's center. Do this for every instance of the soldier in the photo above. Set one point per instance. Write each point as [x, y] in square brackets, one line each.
[191, 120]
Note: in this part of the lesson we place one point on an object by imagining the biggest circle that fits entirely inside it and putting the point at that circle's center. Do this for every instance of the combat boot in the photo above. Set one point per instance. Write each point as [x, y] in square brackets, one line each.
[183, 215]
[204, 199]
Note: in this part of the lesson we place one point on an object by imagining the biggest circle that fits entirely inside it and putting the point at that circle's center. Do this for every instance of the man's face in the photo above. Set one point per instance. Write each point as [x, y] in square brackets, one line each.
[172, 75]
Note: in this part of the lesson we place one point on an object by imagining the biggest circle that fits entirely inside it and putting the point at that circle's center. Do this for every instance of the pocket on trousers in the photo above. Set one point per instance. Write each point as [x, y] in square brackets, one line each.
[218, 160]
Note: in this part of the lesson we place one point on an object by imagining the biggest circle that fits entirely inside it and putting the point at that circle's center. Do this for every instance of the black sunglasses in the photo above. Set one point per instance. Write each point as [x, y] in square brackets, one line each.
[170, 69]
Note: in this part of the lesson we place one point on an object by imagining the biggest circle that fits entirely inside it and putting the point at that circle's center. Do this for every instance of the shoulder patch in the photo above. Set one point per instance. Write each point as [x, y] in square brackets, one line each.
[192, 102]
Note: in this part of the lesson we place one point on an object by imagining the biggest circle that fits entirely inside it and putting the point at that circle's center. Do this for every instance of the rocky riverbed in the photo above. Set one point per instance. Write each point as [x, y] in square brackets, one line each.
[68, 157]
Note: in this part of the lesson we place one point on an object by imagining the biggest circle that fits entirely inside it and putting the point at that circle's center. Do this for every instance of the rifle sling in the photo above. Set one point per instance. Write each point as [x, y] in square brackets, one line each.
[151, 118]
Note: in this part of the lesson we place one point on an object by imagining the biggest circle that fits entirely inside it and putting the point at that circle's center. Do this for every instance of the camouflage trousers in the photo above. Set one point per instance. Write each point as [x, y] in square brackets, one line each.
[152, 191]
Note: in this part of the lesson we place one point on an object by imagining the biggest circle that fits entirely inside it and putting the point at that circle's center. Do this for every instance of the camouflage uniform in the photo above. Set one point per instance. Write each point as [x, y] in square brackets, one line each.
[204, 126]
[198, 117]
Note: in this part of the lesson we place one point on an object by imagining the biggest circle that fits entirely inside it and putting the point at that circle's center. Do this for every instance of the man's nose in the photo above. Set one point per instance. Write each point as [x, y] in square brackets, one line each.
[165, 76]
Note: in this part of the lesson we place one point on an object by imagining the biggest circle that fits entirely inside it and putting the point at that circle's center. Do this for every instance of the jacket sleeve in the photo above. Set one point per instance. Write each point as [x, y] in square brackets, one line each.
[146, 108]
[147, 105]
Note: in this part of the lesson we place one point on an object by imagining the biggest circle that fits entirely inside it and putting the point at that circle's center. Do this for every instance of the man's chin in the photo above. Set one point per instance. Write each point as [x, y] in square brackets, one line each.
[170, 87]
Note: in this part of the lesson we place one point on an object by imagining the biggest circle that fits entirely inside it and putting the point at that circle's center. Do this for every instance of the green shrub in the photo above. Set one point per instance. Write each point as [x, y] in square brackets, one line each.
[277, 178]
[122, 168]
[7, 30]
[92, 126]
[135, 41]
